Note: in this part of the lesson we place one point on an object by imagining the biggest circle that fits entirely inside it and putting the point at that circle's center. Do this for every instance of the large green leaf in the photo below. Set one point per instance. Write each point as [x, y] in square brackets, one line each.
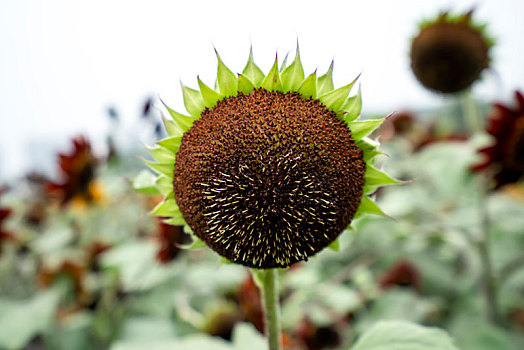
[21, 321]
[402, 335]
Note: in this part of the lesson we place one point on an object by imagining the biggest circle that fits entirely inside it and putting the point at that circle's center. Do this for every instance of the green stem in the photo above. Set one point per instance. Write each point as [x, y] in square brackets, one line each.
[472, 117]
[269, 280]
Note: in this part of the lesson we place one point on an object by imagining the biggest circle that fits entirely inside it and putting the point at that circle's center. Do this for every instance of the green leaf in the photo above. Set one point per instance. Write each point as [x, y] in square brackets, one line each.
[335, 245]
[335, 99]
[226, 79]
[353, 107]
[376, 178]
[325, 82]
[193, 101]
[252, 72]
[144, 183]
[209, 95]
[245, 336]
[309, 86]
[368, 206]
[362, 128]
[402, 335]
[244, 84]
[184, 122]
[20, 321]
[272, 80]
[162, 168]
[172, 128]
[166, 208]
[293, 75]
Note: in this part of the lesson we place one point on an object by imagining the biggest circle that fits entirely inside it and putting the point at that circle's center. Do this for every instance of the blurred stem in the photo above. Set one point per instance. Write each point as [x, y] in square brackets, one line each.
[269, 281]
[489, 280]
[470, 110]
[511, 267]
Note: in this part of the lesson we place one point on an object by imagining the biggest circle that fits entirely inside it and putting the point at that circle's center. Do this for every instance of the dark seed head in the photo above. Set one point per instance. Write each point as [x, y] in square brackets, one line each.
[448, 57]
[268, 179]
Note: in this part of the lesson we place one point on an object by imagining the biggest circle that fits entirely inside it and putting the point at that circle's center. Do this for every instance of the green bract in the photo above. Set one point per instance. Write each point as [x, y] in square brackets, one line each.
[289, 162]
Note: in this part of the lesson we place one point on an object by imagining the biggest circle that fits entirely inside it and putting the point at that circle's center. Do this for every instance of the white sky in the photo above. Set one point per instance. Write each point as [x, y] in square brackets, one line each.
[63, 62]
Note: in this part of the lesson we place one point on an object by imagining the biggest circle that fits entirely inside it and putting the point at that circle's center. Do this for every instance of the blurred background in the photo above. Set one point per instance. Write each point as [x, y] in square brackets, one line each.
[64, 63]
[83, 265]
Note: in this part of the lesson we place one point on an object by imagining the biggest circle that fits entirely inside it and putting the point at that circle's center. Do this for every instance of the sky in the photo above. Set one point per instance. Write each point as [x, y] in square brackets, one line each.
[62, 63]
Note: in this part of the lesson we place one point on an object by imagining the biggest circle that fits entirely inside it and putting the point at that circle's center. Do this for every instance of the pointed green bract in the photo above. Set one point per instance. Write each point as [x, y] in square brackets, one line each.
[144, 183]
[162, 168]
[369, 147]
[284, 63]
[171, 143]
[272, 80]
[308, 88]
[376, 178]
[172, 128]
[244, 84]
[352, 107]
[336, 98]
[175, 220]
[325, 82]
[184, 122]
[252, 72]
[209, 95]
[359, 129]
[164, 185]
[293, 75]
[226, 79]
[161, 155]
[166, 208]
[193, 101]
[368, 206]
[335, 245]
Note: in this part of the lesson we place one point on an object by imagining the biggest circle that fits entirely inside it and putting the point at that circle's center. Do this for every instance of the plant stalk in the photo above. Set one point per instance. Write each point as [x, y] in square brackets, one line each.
[470, 110]
[269, 280]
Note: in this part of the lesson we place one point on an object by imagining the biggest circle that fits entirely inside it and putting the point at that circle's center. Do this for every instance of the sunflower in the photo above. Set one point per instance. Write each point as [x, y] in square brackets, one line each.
[505, 157]
[267, 170]
[5, 212]
[78, 169]
[450, 52]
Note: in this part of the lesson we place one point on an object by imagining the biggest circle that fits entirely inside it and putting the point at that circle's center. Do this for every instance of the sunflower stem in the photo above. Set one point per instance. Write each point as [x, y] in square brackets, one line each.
[269, 281]
[470, 110]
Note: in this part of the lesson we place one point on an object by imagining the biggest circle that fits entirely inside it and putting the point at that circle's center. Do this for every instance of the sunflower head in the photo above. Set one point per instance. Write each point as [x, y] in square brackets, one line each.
[505, 157]
[449, 52]
[267, 170]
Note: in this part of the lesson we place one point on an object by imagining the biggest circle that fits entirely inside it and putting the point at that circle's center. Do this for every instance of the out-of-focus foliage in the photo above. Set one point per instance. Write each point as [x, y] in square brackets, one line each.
[100, 273]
